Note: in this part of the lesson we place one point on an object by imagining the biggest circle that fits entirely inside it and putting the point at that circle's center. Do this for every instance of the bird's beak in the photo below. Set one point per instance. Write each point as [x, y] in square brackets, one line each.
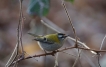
[66, 36]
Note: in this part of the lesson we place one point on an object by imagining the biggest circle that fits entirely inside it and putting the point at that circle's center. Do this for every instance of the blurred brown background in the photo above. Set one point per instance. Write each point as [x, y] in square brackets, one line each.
[88, 17]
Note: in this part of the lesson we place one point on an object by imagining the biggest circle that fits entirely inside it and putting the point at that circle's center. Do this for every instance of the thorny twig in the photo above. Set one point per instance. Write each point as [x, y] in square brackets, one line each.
[67, 13]
[52, 53]
[74, 31]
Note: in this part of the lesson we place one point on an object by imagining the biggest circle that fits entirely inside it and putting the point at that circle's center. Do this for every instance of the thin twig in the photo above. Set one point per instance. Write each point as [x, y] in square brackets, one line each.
[98, 57]
[56, 59]
[98, 54]
[92, 49]
[21, 26]
[102, 42]
[13, 57]
[67, 13]
[79, 52]
[77, 58]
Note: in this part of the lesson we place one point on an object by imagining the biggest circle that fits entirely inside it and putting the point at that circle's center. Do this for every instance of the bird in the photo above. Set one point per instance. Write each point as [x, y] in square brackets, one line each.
[50, 42]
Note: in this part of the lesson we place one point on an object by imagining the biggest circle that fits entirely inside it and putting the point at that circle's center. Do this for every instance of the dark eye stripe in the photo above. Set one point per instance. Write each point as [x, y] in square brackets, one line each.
[61, 34]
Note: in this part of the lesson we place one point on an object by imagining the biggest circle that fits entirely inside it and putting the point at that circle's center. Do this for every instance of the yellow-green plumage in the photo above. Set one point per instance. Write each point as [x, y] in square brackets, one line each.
[53, 37]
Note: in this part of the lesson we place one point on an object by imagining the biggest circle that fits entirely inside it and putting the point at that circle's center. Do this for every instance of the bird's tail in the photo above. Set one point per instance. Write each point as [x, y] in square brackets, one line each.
[37, 37]
[34, 35]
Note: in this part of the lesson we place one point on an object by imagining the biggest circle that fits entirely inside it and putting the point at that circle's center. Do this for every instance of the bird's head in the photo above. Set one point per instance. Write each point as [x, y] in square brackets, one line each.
[62, 36]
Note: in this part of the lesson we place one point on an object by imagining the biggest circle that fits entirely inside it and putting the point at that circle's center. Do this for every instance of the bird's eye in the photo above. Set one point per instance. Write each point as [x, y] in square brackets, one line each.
[45, 39]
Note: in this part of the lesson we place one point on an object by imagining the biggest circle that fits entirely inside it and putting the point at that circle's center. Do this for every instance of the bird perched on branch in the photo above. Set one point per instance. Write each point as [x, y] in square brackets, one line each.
[50, 42]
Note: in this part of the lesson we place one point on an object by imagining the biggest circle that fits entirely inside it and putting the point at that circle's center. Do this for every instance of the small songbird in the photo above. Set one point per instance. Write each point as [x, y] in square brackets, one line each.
[50, 42]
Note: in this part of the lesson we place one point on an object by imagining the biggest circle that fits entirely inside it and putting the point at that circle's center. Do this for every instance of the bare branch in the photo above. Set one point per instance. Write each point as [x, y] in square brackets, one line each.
[52, 53]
